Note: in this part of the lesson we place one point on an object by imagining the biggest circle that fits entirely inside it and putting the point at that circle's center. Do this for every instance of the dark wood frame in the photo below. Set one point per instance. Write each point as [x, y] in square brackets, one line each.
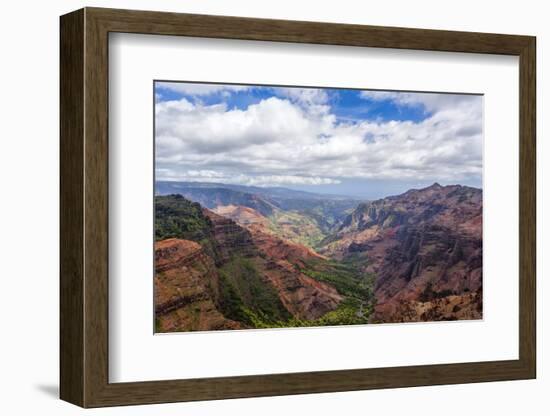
[84, 207]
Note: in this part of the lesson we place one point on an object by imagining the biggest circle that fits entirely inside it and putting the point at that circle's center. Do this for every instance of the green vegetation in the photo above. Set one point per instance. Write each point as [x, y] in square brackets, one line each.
[296, 227]
[326, 213]
[349, 312]
[346, 277]
[231, 305]
[247, 297]
[357, 287]
[177, 217]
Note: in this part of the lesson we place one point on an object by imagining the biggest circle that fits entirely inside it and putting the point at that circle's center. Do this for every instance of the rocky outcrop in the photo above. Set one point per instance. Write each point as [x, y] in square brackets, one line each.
[303, 296]
[231, 239]
[186, 288]
[280, 249]
[467, 306]
[420, 243]
[173, 253]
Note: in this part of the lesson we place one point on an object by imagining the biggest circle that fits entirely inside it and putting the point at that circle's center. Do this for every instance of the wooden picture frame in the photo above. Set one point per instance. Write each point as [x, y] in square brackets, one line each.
[84, 207]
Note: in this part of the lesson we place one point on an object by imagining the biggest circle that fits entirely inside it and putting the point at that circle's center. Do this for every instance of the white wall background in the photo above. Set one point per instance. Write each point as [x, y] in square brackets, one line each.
[29, 209]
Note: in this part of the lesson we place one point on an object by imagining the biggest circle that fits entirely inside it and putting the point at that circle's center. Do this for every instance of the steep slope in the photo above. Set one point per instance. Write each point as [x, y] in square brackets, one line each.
[275, 261]
[212, 273]
[423, 246]
[187, 288]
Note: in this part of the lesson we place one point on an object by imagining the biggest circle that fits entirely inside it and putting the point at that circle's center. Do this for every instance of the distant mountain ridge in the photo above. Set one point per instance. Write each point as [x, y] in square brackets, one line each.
[279, 192]
[326, 211]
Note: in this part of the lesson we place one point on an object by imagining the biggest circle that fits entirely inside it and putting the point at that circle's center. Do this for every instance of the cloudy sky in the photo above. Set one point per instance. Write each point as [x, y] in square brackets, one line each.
[367, 144]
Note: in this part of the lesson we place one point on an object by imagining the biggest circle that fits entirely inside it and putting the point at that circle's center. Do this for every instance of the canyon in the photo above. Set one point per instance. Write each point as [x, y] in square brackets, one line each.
[236, 257]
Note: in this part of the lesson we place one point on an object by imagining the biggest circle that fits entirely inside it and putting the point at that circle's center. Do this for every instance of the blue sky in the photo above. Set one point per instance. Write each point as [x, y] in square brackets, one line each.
[346, 104]
[366, 144]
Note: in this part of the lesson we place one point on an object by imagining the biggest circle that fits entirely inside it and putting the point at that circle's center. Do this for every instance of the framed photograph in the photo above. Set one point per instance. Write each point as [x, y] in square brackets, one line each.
[255, 207]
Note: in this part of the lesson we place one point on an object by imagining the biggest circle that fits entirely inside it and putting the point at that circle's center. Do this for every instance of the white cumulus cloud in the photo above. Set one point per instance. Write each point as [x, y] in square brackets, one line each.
[293, 138]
